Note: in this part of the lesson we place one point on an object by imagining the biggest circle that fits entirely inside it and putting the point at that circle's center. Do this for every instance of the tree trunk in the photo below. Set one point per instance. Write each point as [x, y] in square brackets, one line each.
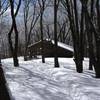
[79, 37]
[91, 39]
[97, 67]
[26, 40]
[4, 94]
[25, 52]
[79, 65]
[14, 50]
[96, 32]
[41, 29]
[15, 60]
[55, 34]
[90, 64]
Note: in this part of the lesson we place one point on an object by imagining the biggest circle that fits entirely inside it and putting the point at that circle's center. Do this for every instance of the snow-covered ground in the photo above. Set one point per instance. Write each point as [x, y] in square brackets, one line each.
[34, 80]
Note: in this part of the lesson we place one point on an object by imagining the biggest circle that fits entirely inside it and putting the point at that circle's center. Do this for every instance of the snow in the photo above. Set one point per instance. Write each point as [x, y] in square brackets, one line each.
[34, 80]
[65, 46]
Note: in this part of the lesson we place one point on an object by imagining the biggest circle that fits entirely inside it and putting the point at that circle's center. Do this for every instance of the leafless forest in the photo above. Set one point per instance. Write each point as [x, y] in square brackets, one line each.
[73, 22]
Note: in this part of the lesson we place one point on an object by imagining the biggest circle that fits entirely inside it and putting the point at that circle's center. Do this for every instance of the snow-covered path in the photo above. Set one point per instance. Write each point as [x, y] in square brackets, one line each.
[34, 80]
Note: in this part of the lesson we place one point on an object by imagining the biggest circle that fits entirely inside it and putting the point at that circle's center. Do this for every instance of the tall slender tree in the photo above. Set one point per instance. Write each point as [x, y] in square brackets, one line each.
[42, 8]
[14, 49]
[56, 4]
[4, 94]
[0, 16]
[90, 36]
[77, 31]
[3, 9]
[95, 31]
[32, 18]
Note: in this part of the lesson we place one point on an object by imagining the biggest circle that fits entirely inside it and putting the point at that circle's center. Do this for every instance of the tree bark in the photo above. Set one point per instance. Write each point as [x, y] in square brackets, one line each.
[14, 50]
[96, 59]
[42, 42]
[4, 94]
[55, 33]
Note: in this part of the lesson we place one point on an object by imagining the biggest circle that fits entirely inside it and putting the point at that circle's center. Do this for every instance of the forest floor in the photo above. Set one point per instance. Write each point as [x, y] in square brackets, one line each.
[33, 80]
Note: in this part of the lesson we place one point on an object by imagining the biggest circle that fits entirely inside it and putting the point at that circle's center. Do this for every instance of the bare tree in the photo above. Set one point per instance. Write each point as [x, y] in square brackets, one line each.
[56, 4]
[14, 49]
[29, 18]
[77, 31]
[3, 8]
[4, 5]
[42, 8]
[95, 30]
[64, 31]
[90, 36]
[4, 94]
[90, 23]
